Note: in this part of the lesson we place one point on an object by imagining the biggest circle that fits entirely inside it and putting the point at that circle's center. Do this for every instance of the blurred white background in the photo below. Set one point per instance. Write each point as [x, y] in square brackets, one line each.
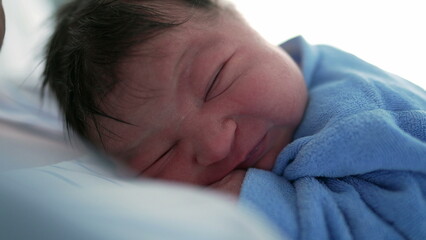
[26, 31]
[389, 34]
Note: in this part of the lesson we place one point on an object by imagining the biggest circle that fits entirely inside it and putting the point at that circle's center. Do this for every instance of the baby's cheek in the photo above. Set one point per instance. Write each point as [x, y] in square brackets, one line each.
[231, 183]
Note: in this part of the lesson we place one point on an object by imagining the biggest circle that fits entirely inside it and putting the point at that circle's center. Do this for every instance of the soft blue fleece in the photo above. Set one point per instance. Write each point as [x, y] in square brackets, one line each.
[357, 166]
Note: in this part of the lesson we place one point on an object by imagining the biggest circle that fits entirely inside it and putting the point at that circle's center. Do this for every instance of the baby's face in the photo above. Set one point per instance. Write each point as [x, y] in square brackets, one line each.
[204, 99]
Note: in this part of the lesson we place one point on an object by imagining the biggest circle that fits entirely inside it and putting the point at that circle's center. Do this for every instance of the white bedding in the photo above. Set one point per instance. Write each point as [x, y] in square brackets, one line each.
[31, 130]
[82, 199]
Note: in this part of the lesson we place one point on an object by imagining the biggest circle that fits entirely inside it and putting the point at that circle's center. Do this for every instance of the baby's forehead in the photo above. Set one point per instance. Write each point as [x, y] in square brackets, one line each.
[148, 68]
[169, 44]
[142, 71]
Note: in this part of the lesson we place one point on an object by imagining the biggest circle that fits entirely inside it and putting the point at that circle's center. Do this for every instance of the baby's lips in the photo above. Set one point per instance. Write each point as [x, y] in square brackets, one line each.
[255, 154]
[231, 183]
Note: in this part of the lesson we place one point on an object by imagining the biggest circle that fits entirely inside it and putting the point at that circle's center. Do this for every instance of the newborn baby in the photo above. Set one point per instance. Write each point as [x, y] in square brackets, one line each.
[185, 90]
[196, 96]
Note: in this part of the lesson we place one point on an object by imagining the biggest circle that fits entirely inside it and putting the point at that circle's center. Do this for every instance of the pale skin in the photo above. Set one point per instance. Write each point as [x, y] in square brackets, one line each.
[206, 101]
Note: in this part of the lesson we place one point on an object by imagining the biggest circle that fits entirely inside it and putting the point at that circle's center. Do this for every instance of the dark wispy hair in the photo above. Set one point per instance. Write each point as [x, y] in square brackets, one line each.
[90, 37]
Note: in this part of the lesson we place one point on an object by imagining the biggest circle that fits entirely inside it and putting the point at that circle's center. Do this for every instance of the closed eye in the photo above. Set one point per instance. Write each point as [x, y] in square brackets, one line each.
[213, 83]
[161, 157]
[165, 153]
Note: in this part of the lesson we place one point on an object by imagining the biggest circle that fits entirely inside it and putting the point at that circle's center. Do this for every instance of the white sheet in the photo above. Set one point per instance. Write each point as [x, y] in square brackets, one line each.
[81, 199]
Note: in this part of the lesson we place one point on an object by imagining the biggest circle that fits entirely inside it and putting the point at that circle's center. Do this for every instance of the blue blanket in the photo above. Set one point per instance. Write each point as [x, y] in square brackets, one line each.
[357, 166]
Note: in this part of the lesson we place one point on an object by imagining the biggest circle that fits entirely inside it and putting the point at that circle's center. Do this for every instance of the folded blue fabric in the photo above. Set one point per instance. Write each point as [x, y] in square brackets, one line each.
[357, 166]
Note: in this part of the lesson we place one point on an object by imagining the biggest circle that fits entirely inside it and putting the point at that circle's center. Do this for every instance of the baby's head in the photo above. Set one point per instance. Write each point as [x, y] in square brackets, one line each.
[181, 90]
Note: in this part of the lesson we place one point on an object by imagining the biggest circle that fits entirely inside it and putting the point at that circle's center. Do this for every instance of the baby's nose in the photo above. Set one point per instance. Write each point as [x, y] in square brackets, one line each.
[214, 141]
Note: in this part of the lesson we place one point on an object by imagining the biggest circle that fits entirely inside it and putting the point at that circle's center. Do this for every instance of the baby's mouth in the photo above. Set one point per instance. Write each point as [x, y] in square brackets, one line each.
[255, 154]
